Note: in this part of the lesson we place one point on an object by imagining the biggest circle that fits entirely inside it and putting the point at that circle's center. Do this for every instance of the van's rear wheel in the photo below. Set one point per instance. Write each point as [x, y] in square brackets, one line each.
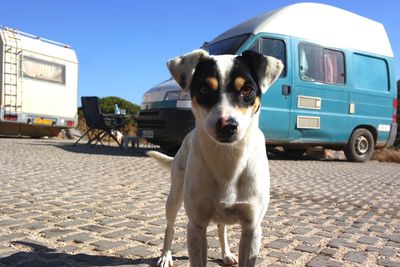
[360, 146]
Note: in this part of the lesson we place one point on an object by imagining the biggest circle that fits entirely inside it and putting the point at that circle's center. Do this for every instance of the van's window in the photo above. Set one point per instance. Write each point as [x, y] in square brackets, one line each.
[370, 73]
[318, 64]
[227, 46]
[43, 70]
[271, 47]
[274, 48]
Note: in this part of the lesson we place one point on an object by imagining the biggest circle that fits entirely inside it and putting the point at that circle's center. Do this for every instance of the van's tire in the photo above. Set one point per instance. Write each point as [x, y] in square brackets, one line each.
[360, 146]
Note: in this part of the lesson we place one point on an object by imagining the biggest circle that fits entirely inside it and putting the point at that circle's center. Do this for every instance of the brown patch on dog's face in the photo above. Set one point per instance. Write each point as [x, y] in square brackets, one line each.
[256, 105]
[212, 83]
[239, 83]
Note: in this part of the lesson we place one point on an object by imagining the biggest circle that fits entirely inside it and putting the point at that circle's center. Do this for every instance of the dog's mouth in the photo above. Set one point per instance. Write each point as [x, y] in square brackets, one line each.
[226, 138]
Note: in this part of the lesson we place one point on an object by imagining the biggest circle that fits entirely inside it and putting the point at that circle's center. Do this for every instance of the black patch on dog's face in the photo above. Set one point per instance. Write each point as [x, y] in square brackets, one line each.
[242, 87]
[200, 89]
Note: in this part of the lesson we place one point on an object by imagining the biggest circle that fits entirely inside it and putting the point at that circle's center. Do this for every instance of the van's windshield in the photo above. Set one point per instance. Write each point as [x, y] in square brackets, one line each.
[226, 46]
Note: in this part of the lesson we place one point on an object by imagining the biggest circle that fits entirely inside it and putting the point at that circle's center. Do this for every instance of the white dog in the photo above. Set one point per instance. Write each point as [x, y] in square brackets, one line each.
[221, 170]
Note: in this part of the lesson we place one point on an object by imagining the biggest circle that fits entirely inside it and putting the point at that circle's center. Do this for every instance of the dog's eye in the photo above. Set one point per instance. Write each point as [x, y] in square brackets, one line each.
[204, 90]
[247, 91]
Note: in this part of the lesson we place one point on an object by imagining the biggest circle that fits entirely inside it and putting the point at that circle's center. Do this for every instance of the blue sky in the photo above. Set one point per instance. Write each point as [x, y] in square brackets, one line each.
[122, 45]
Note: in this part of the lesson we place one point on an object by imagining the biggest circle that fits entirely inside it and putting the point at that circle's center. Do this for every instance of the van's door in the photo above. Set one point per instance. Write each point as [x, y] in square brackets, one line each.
[320, 97]
[275, 103]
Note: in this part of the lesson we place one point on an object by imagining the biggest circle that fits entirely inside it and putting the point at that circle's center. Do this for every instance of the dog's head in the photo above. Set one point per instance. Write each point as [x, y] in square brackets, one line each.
[225, 90]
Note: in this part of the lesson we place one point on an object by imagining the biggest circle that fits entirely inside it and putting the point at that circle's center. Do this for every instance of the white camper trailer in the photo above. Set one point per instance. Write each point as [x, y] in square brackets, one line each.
[38, 85]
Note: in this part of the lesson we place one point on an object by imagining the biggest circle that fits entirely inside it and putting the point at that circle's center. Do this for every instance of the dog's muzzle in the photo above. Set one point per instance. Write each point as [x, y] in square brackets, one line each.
[226, 130]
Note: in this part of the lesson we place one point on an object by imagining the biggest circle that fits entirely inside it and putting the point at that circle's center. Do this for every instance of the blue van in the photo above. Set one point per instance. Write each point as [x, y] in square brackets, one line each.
[337, 90]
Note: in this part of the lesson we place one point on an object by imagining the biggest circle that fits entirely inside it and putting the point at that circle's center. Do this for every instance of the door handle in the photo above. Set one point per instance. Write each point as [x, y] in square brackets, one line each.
[286, 89]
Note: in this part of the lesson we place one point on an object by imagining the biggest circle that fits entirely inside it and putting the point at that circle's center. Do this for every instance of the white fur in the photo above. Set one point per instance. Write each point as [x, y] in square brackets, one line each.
[225, 183]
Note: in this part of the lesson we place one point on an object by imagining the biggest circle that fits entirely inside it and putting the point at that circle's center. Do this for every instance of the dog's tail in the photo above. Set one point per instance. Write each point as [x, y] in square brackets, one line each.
[161, 158]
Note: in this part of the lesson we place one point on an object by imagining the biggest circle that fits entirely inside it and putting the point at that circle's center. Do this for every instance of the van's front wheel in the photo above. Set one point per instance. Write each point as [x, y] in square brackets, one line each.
[360, 146]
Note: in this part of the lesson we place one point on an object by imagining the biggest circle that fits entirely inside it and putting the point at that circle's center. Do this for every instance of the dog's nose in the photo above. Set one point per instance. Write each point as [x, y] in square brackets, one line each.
[226, 128]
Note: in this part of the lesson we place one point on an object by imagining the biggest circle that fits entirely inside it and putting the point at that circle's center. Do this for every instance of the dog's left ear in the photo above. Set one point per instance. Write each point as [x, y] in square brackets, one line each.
[265, 69]
[182, 67]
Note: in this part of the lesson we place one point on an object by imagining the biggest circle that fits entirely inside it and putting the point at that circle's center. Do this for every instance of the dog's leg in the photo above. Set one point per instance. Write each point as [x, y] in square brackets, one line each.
[249, 246]
[227, 256]
[197, 244]
[174, 202]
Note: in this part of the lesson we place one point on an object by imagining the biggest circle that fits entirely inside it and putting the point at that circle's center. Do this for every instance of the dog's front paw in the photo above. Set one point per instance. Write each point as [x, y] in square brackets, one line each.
[230, 259]
[165, 260]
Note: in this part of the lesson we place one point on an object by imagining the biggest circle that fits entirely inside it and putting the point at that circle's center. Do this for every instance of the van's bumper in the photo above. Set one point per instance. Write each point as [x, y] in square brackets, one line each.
[392, 135]
[165, 127]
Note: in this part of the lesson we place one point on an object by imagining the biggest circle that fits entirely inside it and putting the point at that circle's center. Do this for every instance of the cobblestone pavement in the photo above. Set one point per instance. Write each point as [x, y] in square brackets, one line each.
[76, 206]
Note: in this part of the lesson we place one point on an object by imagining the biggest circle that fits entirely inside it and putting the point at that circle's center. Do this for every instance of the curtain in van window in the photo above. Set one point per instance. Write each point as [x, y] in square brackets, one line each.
[43, 70]
[331, 67]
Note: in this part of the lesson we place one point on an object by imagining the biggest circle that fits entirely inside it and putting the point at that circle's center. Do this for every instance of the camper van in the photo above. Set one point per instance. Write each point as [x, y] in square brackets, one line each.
[39, 85]
[337, 89]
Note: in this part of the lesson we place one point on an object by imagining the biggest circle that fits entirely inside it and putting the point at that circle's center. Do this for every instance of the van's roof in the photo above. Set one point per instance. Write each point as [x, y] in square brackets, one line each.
[324, 24]
[37, 45]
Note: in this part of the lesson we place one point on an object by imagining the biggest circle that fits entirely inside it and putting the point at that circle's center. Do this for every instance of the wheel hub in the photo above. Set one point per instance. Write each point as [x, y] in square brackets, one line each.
[362, 145]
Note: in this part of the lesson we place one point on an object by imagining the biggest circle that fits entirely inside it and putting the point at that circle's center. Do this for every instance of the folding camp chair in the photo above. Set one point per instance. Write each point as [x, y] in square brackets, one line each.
[99, 125]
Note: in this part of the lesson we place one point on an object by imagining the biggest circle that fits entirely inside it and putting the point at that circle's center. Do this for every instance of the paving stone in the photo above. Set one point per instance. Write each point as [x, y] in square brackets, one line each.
[95, 228]
[290, 257]
[56, 232]
[71, 223]
[388, 263]
[337, 242]
[31, 226]
[301, 230]
[323, 261]
[279, 244]
[140, 251]
[105, 244]
[369, 240]
[387, 252]
[356, 256]
[376, 228]
[119, 234]
[329, 252]
[395, 238]
[306, 248]
[78, 238]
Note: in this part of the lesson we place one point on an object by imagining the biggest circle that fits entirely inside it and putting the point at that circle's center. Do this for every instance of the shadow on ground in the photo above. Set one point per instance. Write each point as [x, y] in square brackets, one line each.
[44, 256]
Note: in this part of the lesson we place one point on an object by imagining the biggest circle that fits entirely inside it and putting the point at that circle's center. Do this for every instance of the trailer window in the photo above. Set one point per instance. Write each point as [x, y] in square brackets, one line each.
[318, 64]
[43, 70]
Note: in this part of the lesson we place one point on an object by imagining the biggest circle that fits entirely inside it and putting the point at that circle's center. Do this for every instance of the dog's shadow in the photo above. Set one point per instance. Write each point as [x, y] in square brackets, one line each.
[43, 256]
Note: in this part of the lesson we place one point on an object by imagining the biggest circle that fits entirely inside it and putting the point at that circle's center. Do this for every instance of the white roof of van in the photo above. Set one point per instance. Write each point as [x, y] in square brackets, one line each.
[320, 23]
[37, 45]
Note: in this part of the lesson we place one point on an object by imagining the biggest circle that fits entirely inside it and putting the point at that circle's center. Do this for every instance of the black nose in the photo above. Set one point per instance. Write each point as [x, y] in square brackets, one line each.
[226, 129]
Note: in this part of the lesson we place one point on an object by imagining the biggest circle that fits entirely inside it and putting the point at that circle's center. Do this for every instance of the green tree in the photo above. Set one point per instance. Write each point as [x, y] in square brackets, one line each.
[107, 105]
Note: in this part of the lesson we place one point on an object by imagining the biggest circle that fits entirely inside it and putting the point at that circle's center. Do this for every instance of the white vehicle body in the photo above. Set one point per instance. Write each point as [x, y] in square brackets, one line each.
[39, 85]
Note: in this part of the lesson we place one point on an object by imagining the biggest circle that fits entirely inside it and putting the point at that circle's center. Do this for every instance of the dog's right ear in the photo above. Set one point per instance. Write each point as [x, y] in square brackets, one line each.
[182, 67]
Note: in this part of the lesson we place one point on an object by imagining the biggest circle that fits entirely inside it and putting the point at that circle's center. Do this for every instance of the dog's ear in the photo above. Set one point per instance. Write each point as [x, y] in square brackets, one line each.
[264, 69]
[182, 67]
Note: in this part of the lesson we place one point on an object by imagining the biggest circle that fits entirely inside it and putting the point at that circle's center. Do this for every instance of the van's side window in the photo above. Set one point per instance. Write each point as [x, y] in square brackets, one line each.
[318, 64]
[271, 47]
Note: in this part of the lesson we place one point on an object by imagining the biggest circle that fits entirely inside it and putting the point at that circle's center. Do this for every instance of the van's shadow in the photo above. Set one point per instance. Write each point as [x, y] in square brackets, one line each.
[44, 256]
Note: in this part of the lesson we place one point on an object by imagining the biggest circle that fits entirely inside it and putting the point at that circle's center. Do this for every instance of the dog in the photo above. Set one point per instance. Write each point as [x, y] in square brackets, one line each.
[221, 170]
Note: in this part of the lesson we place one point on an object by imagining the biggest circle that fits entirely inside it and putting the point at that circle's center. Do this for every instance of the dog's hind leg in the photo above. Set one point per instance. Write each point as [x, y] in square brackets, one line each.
[174, 202]
[227, 256]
